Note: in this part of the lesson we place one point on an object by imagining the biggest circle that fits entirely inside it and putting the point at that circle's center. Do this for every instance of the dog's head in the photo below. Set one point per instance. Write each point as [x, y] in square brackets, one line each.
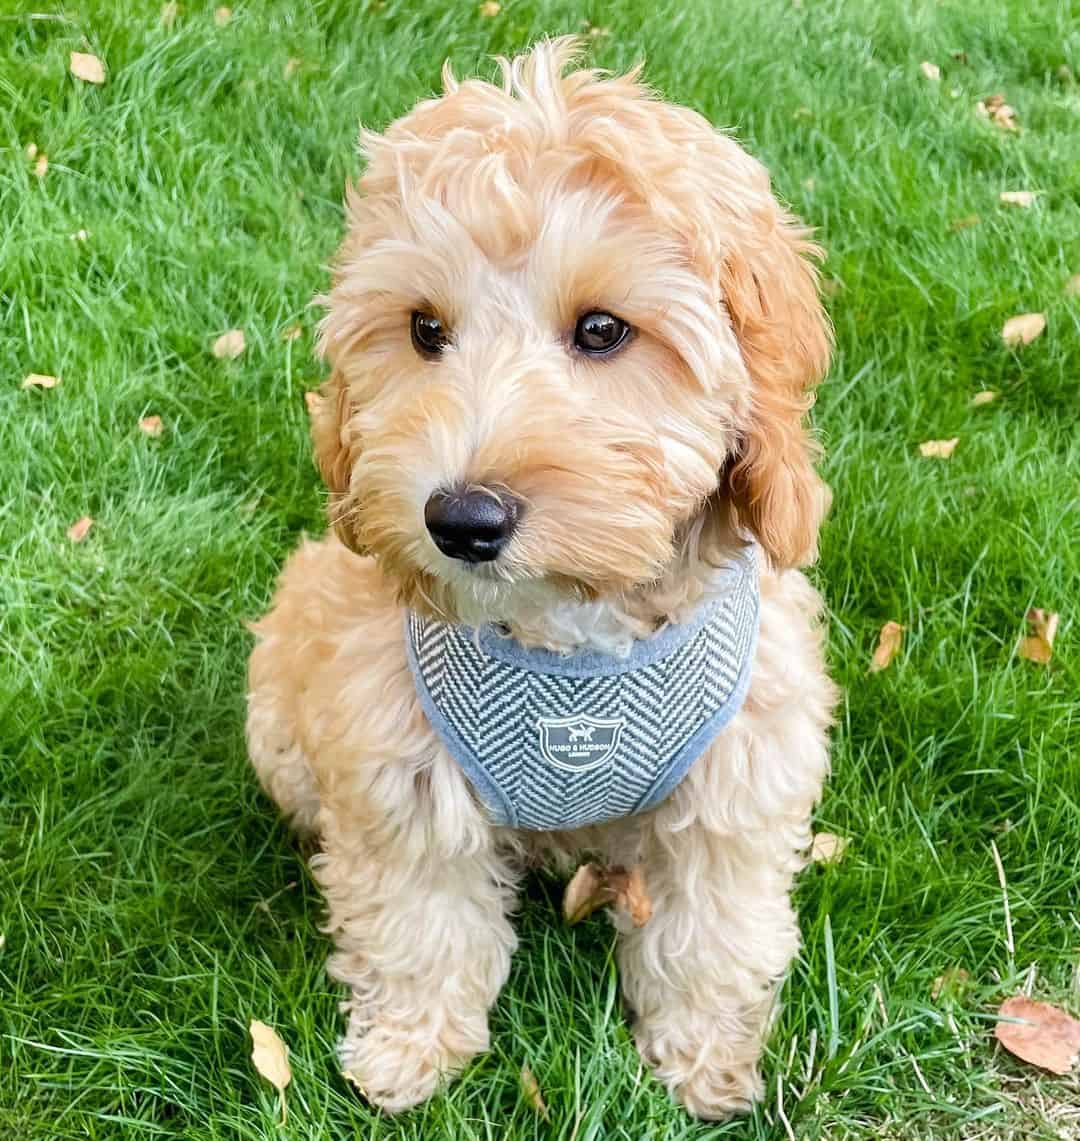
[571, 333]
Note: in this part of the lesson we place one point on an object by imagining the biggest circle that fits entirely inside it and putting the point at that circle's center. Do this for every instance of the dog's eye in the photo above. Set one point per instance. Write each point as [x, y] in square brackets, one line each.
[429, 335]
[598, 333]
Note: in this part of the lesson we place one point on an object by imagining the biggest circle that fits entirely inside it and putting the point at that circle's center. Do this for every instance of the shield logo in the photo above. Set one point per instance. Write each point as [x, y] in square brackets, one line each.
[580, 743]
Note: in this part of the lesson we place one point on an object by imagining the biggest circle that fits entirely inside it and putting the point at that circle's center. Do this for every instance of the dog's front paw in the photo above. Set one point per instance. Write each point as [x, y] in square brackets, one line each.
[396, 1065]
[713, 1075]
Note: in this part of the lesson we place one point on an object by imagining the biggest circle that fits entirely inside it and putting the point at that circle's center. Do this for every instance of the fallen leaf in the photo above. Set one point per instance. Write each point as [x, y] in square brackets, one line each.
[586, 891]
[271, 1058]
[631, 895]
[1023, 329]
[593, 886]
[1044, 1035]
[490, 8]
[953, 981]
[938, 449]
[169, 12]
[987, 396]
[530, 1087]
[222, 16]
[1072, 286]
[994, 108]
[930, 70]
[151, 426]
[312, 401]
[80, 529]
[292, 64]
[1038, 646]
[87, 67]
[1018, 197]
[827, 848]
[40, 380]
[292, 333]
[230, 345]
[966, 222]
[42, 165]
[889, 640]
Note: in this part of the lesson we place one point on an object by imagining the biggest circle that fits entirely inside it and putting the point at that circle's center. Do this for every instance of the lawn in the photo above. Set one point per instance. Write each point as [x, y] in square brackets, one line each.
[151, 903]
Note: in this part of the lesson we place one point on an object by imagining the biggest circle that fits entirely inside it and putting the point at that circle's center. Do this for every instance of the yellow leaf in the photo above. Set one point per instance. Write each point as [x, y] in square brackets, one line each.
[40, 380]
[80, 529]
[271, 1058]
[938, 449]
[930, 70]
[889, 641]
[1038, 646]
[42, 165]
[827, 848]
[1039, 1033]
[31, 150]
[1072, 286]
[87, 67]
[530, 1087]
[1018, 197]
[292, 333]
[987, 396]
[292, 65]
[169, 12]
[230, 345]
[490, 8]
[1023, 329]
[222, 16]
[151, 426]
[965, 223]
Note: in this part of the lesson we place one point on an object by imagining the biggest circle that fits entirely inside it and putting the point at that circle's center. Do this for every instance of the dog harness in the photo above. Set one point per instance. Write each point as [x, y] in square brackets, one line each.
[553, 741]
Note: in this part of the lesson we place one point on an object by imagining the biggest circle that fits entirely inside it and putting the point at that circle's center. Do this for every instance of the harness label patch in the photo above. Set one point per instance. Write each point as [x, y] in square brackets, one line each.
[580, 743]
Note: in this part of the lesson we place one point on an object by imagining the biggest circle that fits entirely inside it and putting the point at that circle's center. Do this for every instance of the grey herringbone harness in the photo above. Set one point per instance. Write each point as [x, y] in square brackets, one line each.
[559, 741]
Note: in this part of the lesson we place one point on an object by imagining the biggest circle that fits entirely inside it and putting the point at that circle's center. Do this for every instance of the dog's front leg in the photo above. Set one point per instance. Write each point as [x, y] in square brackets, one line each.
[700, 975]
[423, 942]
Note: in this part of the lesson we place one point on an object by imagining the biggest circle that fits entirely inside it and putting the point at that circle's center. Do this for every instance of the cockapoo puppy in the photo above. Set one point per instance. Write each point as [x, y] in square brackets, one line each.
[573, 338]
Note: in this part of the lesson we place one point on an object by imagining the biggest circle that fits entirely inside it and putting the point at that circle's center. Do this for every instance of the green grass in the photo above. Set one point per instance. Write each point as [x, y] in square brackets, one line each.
[151, 903]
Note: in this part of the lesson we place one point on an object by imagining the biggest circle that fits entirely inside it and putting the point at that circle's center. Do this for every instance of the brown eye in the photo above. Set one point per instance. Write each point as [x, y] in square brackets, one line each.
[429, 335]
[599, 333]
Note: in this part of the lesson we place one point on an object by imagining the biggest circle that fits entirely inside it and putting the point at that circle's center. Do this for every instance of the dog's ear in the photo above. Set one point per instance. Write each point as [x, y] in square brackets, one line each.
[329, 414]
[769, 285]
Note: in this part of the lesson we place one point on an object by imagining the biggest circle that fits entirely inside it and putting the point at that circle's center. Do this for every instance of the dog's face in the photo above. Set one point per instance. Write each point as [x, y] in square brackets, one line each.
[571, 332]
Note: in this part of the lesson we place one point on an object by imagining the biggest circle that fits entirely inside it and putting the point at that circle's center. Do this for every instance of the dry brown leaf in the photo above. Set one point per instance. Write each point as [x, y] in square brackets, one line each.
[827, 848]
[631, 894]
[1043, 1035]
[230, 345]
[1018, 197]
[80, 529]
[987, 396]
[938, 449]
[586, 891]
[222, 16]
[530, 1087]
[271, 1058]
[966, 222]
[1038, 646]
[1023, 329]
[1072, 286]
[40, 380]
[292, 333]
[952, 981]
[151, 426]
[490, 8]
[169, 12]
[292, 65]
[930, 70]
[87, 67]
[994, 108]
[889, 641]
[42, 165]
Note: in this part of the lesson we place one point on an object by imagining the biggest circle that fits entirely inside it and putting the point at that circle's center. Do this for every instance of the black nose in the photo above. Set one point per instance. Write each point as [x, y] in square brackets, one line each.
[470, 525]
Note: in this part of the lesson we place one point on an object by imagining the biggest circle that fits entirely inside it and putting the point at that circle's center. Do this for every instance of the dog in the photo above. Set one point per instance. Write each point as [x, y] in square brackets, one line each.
[572, 340]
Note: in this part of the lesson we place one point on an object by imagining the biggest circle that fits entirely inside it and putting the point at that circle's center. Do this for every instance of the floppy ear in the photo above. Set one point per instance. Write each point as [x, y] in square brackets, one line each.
[330, 412]
[770, 287]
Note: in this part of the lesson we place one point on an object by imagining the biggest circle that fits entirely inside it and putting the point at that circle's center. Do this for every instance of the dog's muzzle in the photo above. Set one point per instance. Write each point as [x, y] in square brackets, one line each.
[471, 525]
